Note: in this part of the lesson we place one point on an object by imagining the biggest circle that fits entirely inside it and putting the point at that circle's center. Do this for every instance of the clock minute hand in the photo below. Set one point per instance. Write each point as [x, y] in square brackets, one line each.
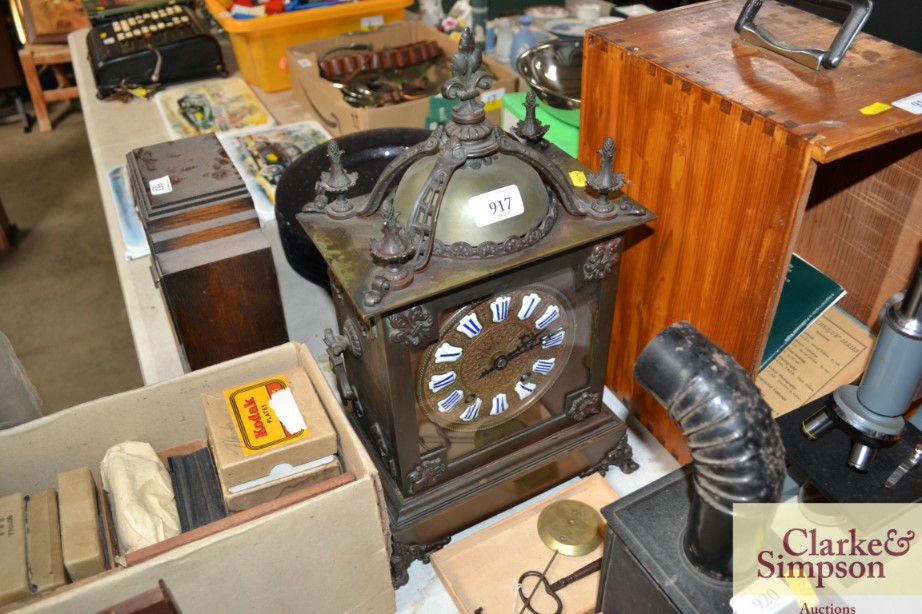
[526, 343]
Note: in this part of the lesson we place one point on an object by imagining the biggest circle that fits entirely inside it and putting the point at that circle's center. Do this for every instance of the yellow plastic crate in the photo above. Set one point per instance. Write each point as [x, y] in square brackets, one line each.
[259, 44]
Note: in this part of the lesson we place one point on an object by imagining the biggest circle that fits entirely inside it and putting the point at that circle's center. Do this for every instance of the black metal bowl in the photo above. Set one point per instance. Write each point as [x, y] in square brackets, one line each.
[554, 70]
[367, 152]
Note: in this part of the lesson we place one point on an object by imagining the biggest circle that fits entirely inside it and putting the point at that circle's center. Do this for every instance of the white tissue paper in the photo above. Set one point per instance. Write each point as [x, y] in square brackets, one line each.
[140, 496]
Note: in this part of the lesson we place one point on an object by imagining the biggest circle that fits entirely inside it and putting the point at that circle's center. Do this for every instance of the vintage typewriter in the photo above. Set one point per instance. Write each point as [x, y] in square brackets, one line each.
[149, 46]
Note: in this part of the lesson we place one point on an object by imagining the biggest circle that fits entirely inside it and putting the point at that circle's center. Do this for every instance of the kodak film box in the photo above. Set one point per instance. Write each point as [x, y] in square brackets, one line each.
[269, 436]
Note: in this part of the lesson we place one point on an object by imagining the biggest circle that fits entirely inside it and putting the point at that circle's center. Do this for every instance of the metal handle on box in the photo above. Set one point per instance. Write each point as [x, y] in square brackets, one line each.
[859, 11]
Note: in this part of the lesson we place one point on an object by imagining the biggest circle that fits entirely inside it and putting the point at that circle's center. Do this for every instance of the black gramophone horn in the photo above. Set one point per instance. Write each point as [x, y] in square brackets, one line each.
[735, 445]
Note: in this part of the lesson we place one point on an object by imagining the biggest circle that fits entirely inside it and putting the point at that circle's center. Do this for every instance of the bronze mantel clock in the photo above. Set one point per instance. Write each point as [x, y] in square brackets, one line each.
[474, 288]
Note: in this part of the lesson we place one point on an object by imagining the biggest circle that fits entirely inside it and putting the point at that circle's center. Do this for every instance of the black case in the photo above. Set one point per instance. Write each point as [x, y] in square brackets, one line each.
[178, 50]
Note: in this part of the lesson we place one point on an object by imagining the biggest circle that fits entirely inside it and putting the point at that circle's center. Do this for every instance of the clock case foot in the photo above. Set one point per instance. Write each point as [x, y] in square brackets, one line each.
[621, 456]
[424, 522]
[403, 555]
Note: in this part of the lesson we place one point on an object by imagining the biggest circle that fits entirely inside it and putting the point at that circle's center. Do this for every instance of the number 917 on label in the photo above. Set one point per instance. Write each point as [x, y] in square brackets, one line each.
[496, 205]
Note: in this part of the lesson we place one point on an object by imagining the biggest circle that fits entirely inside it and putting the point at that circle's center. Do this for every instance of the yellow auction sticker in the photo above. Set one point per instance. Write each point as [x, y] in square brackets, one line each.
[254, 420]
[803, 591]
[578, 179]
[875, 109]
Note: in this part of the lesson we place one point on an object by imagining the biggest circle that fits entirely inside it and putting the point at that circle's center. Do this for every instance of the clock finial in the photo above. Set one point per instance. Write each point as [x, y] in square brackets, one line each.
[335, 181]
[393, 251]
[530, 128]
[467, 79]
[606, 181]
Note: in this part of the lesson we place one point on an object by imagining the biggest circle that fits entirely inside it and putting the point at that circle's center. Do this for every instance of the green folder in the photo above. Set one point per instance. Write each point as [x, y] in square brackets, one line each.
[807, 294]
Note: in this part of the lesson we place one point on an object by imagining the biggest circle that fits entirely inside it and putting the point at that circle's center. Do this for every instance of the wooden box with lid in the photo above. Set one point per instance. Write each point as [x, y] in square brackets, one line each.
[211, 260]
[746, 156]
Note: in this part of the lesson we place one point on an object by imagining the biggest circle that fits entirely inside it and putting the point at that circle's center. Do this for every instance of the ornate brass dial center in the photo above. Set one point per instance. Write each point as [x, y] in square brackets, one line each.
[494, 359]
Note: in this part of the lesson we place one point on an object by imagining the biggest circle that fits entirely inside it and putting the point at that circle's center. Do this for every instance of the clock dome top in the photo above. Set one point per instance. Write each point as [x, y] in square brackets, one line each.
[471, 191]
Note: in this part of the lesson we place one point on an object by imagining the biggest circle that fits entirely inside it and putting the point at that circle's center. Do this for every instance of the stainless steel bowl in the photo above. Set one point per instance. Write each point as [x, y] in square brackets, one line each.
[554, 70]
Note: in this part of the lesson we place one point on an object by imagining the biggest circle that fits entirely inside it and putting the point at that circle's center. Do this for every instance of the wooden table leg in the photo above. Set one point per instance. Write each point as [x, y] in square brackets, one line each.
[30, 71]
[35, 59]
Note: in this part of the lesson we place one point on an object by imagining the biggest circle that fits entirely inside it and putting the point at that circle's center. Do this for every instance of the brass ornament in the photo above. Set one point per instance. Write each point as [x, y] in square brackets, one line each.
[461, 168]
[412, 327]
[602, 260]
[425, 474]
[585, 405]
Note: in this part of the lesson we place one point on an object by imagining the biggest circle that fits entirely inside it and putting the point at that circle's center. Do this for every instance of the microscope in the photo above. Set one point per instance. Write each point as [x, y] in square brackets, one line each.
[871, 413]
[854, 446]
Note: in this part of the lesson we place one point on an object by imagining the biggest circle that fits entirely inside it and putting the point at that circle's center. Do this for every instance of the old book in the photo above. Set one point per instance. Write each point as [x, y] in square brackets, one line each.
[211, 106]
[46, 559]
[807, 294]
[80, 537]
[14, 579]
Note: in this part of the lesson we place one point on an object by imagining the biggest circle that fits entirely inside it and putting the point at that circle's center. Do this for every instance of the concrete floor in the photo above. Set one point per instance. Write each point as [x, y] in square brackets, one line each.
[60, 301]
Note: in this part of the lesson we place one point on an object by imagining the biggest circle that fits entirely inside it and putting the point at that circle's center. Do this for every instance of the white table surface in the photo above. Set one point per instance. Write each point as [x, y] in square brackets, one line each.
[114, 129]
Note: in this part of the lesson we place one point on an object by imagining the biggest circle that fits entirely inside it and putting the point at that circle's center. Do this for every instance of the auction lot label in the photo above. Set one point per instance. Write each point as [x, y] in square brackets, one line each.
[832, 558]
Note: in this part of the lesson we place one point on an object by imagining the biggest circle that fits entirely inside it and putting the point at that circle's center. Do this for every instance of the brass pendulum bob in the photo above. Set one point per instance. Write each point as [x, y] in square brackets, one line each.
[570, 528]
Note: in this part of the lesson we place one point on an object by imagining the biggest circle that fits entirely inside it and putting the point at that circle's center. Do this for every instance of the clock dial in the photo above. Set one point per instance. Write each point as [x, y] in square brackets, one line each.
[496, 358]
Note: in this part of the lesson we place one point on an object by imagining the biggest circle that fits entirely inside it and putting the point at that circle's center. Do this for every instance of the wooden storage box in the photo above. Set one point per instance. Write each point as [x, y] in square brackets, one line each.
[746, 156]
[212, 262]
[324, 554]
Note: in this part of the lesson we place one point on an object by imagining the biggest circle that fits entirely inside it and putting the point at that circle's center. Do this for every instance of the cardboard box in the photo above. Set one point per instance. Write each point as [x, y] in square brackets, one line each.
[328, 553]
[250, 444]
[14, 575]
[248, 438]
[259, 44]
[43, 541]
[237, 501]
[81, 541]
[326, 103]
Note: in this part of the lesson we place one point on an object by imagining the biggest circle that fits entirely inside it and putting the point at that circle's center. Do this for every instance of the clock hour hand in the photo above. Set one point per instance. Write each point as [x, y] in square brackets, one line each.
[526, 343]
